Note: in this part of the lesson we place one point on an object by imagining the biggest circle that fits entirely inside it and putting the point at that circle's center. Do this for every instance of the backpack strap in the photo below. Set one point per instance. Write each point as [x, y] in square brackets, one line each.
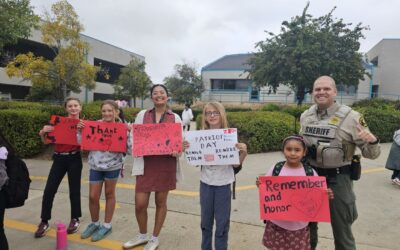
[309, 170]
[277, 168]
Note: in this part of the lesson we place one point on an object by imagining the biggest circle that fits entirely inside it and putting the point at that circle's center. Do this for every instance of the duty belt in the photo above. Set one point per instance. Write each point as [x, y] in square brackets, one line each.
[333, 171]
[66, 153]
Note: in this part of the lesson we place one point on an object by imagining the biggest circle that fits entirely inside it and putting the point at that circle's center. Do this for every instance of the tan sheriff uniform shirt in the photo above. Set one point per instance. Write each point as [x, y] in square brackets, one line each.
[347, 133]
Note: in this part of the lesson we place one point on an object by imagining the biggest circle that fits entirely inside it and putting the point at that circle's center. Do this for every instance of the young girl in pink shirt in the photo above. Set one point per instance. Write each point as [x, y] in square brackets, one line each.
[288, 235]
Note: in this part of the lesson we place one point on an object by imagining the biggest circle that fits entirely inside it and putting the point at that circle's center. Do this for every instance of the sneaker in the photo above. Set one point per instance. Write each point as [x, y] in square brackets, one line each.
[73, 226]
[138, 240]
[42, 229]
[90, 229]
[152, 244]
[101, 233]
[396, 181]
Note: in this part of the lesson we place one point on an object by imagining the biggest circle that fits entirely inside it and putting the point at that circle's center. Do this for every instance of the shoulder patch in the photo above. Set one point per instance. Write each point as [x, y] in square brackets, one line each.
[362, 122]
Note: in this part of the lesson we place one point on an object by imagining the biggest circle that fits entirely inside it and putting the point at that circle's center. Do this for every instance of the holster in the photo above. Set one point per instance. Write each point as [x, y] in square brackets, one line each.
[355, 169]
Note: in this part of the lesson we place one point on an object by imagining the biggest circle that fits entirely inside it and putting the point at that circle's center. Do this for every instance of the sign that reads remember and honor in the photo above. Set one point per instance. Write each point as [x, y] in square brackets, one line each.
[104, 136]
[294, 198]
[157, 139]
[212, 147]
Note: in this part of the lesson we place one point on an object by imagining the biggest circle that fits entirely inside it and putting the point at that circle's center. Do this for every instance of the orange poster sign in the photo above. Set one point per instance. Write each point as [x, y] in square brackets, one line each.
[104, 136]
[64, 130]
[157, 139]
[294, 198]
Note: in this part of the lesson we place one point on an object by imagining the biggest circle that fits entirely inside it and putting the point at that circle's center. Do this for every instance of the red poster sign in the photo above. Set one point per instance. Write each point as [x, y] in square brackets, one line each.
[294, 198]
[104, 136]
[157, 139]
[64, 130]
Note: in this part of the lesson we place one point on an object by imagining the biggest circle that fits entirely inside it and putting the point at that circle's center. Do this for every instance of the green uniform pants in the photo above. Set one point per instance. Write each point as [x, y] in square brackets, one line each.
[343, 214]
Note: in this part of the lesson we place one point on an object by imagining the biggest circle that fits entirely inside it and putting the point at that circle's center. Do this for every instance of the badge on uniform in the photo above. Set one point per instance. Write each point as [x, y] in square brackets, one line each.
[334, 120]
[363, 122]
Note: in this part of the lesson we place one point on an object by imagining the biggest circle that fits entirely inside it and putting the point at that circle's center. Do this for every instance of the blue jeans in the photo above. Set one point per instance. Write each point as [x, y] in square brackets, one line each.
[215, 202]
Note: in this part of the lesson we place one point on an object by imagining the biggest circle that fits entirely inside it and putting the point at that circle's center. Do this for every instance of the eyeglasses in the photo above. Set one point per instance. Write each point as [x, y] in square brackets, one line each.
[212, 113]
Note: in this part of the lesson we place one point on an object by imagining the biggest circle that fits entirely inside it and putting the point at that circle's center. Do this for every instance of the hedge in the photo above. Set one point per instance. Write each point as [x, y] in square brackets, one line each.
[261, 131]
[382, 123]
[21, 128]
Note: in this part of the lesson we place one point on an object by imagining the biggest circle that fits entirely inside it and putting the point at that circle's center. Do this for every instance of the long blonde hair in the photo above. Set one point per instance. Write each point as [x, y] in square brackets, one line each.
[114, 105]
[220, 108]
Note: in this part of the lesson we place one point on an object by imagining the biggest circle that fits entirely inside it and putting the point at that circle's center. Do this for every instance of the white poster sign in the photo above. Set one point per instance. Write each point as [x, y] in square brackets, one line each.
[212, 147]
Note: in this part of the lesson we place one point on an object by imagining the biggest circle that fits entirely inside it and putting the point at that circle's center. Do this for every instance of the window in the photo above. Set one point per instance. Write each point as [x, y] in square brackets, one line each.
[229, 84]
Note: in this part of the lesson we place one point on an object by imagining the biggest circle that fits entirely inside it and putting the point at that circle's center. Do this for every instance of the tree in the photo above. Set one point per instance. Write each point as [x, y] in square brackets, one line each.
[185, 85]
[133, 81]
[68, 71]
[307, 48]
[16, 21]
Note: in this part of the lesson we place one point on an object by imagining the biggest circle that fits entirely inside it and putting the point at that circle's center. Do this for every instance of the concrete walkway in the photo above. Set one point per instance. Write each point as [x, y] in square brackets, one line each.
[376, 228]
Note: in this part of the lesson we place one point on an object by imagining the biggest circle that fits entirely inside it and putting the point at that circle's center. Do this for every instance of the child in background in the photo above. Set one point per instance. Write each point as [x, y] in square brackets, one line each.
[187, 116]
[290, 234]
[66, 159]
[104, 167]
[215, 185]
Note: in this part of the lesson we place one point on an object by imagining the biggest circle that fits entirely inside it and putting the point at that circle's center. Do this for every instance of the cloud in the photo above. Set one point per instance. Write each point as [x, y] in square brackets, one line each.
[171, 32]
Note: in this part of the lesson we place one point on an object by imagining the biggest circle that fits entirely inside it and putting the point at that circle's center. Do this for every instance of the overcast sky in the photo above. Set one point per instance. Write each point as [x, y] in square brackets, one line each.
[169, 32]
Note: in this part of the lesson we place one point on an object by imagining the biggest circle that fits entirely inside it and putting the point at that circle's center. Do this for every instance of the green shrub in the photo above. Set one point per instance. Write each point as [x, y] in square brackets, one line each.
[382, 123]
[21, 128]
[295, 110]
[270, 107]
[261, 131]
[377, 103]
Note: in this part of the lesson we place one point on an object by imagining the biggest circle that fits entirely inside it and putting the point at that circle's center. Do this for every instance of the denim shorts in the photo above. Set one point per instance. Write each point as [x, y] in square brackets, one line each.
[100, 176]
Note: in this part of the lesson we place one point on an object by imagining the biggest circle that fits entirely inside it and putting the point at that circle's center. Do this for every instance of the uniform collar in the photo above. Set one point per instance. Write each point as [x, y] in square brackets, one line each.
[329, 111]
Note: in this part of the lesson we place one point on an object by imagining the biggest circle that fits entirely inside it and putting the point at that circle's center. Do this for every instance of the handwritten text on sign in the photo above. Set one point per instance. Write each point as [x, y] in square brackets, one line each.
[64, 130]
[157, 139]
[104, 136]
[212, 147]
[294, 198]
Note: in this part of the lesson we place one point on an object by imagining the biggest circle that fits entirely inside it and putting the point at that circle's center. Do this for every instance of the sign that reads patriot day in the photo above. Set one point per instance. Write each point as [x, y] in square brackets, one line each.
[212, 147]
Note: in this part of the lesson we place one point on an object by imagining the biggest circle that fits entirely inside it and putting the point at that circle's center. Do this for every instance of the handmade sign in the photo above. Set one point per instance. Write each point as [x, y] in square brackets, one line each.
[294, 198]
[157, 139]
[104, 136]
[212, 147]
[64, 130]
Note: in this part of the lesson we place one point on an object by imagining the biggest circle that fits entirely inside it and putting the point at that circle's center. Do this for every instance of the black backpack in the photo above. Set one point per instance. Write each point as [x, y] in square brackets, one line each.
[235, 171]
[17, 188]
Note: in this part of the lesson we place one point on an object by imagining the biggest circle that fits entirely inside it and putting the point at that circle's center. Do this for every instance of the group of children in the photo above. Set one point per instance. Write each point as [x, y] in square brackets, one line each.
[215, 181]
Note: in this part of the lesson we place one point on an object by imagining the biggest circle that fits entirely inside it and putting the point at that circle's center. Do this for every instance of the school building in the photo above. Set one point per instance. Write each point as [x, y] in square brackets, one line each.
[107, 56]
[226, 79]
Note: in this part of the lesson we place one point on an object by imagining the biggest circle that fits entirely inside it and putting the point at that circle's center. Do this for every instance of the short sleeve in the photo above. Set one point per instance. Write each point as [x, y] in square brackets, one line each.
[3, 153]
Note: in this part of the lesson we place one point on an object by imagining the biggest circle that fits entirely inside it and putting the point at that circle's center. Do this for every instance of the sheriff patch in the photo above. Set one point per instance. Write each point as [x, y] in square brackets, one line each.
[320, 131]
[334, 120]
[363, 122]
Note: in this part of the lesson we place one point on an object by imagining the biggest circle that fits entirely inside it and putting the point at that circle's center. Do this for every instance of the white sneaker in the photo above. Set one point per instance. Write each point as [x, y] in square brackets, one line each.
[152, 244]
[138, 240]
[396, 181]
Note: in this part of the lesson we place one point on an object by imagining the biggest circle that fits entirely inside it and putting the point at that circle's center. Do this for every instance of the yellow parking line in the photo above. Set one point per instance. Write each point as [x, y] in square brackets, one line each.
[194, 194]
[26, 227]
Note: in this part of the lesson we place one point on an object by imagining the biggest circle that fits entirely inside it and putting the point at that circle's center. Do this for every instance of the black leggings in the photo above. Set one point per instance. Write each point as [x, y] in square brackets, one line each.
[396, 174]
[3, 238]
[71, 164]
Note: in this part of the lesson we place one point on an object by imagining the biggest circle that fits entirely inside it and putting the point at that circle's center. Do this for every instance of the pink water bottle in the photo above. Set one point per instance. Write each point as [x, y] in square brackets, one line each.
[62, 240]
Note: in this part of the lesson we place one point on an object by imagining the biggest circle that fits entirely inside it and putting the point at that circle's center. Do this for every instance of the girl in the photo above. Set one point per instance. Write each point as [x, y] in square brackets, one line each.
[290, 234]
[5, 150]
[158, 173]
[215, 185]
[104, 167]
[67, 159]
[393, 160]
